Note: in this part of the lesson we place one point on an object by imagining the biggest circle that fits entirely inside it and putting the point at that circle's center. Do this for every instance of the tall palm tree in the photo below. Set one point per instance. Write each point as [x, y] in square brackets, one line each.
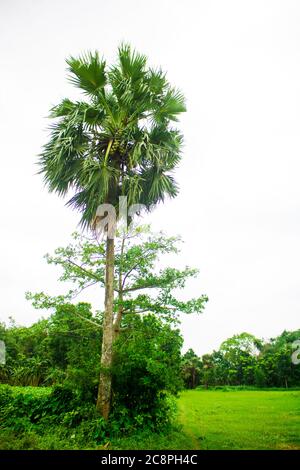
[117, 142]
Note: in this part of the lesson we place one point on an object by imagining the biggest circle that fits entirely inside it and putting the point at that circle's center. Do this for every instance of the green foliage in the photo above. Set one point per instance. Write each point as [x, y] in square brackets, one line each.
[244, 419]
[191, 369]
[246, 361]
[28, 413]
[56, 350]
[146, 373]
[23, 410]
[117, 142]
[140, 285]
[275, 361]
[146, 370]
[31, 412]
[66, 346]
[26, 363]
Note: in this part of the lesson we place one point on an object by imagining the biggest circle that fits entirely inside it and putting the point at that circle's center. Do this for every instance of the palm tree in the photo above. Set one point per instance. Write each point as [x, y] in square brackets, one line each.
[117, 142]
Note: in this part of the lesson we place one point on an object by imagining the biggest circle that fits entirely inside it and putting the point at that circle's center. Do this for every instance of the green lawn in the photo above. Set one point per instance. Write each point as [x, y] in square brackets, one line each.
[241, 419]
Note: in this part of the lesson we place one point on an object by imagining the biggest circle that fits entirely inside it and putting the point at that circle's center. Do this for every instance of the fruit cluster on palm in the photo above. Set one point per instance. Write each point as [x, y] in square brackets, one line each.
[117, 142]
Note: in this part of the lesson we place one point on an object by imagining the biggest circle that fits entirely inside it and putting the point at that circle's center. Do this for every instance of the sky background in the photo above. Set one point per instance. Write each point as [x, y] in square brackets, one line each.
[238, 211]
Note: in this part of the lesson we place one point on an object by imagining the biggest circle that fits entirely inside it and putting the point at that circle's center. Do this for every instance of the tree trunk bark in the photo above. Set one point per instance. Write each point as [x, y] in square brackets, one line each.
[104, 389]
[193, 379]
[118, 319]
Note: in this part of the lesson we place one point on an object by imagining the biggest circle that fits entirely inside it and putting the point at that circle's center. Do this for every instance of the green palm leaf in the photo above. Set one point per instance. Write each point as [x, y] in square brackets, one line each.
[88, 73]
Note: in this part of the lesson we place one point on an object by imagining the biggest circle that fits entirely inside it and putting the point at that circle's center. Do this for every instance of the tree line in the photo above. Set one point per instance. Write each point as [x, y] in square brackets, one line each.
[245, 360]
[63, 349]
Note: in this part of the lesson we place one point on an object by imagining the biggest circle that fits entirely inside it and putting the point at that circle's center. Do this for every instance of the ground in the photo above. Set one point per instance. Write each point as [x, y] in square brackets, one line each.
[212, 419]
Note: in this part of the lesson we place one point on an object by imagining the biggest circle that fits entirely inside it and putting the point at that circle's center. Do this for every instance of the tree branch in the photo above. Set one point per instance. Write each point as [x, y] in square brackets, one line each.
[87, 319]
[90, 274]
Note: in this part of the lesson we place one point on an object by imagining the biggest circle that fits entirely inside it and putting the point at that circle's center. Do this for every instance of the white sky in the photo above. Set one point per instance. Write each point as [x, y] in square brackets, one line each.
[238, 63]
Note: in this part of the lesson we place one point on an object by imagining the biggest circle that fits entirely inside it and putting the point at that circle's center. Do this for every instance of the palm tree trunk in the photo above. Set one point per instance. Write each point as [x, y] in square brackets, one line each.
[104, 389]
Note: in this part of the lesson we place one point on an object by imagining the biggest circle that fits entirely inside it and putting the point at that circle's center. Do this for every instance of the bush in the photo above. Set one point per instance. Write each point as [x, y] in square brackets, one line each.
[5, 396]
[146, 371]
[28, 415]
[34, 407]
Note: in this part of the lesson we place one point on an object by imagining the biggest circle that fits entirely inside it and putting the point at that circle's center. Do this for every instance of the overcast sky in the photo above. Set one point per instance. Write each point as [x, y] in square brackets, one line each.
[238, 64]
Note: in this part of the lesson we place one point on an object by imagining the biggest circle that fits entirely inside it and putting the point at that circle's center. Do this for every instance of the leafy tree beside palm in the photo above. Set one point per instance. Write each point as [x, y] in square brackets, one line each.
[118, 142]
[147, 342]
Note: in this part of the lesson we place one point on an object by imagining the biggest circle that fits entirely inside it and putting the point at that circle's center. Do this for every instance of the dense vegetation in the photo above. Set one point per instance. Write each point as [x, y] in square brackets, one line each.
[52, 369]
[53, 365]
[245, 360]
[59, 351]
[146, 373]
[227, 418]
[64, 350]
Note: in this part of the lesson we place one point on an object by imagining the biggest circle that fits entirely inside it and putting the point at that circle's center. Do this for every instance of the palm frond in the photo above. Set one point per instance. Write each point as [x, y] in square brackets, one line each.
[79, 113]
[172, 104]
[157, 82]
[88, 73]
[64, 108]
[156, 186]
[132, 64]
[62, 156]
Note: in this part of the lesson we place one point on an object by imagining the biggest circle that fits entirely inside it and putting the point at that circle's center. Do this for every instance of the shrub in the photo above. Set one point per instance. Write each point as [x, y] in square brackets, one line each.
[146, 370]
[34, 407]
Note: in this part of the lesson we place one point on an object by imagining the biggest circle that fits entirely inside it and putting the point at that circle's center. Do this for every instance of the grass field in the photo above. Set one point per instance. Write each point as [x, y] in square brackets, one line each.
[241, 419]
[213, 419]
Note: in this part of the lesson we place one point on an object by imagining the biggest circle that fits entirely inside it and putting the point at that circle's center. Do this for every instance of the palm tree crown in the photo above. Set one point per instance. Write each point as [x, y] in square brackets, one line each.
[119, 141]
